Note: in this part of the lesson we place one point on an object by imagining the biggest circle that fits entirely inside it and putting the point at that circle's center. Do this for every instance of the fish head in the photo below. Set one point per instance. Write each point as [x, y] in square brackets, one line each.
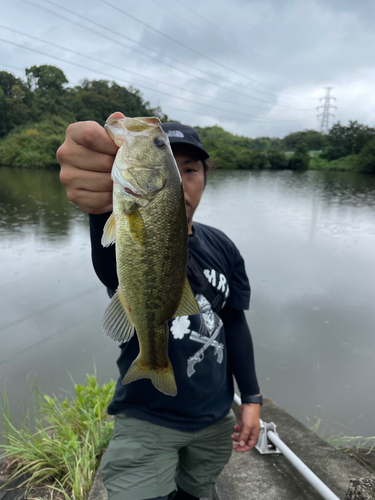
[144, 161]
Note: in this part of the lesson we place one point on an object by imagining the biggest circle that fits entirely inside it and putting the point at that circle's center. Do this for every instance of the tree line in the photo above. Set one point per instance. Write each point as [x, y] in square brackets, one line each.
[35, 112]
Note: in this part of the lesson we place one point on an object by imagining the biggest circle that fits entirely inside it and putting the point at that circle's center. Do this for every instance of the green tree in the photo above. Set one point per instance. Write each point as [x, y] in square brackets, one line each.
[3, 117]
[312, 139]
[259, 160]
[300, 160]
[14, 96]
[366, 158]
[277, 159]
[97, 99]
[46, 78]
[344, 141]
[47, 86]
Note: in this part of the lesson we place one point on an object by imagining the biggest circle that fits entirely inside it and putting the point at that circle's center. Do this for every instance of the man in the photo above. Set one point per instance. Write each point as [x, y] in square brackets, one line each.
[163, 443]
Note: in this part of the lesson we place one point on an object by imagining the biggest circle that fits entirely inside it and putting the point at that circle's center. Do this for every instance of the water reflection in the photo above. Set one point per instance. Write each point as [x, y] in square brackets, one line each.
[34, 201]
[308, 242]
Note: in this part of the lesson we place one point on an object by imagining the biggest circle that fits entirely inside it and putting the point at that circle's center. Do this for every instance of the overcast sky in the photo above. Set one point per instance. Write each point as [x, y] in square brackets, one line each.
[260, 67]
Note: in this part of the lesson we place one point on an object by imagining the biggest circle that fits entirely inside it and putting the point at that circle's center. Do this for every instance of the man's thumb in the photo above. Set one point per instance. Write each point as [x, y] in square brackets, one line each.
[117, 115]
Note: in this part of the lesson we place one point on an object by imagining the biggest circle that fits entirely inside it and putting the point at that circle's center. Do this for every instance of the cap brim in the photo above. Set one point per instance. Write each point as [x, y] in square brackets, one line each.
[202, 153]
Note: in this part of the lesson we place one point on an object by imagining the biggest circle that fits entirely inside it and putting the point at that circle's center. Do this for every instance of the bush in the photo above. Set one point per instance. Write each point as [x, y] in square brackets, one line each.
[300, 160]
[34, 145]
[366, 158]
[277, 160]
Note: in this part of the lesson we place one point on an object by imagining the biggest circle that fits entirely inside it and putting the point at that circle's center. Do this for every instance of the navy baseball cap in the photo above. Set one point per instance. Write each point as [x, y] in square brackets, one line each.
[182, 134]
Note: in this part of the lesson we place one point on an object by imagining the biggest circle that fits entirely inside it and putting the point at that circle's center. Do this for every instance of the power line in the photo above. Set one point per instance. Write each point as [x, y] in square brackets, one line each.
[11, 66]
[326, 114]
[178, 17]
[129, 71]
[224, 33]
[125, 70]
[201, 114]
[117, 42]
[255, 118]
[189, 48]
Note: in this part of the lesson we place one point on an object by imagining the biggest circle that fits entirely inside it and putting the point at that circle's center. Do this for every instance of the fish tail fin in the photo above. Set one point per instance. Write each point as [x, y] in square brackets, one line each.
[162, 378]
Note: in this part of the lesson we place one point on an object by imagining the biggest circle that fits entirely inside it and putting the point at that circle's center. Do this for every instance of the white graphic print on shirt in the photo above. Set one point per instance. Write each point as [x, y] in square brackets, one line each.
[217, 280]
[209, 328]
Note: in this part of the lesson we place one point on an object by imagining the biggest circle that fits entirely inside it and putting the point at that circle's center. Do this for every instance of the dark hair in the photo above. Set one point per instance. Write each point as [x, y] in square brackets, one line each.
[208, 166]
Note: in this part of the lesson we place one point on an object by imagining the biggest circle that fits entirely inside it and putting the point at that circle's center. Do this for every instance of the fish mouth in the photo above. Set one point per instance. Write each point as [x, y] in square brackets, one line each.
[132, 193]
[126, 187]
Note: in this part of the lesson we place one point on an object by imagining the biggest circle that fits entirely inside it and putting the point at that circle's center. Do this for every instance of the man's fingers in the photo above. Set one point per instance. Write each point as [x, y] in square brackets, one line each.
[241, 449]
[244, 435]
[235, 437]
[92, 203]
[71, 153]
[91, 136]
[86, 180]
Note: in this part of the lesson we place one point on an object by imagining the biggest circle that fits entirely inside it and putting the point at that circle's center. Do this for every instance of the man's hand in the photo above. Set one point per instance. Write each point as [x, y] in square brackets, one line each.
[246, 432]
[86, 160]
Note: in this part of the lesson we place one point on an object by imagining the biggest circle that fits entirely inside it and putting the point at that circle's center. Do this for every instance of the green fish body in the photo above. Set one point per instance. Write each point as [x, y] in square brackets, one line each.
[149, 226]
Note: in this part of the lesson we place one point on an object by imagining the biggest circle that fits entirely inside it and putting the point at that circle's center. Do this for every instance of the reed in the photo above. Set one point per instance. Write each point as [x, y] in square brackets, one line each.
[61, 446]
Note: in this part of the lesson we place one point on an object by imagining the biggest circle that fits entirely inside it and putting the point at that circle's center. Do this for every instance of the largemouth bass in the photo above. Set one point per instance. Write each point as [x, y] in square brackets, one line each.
[149, 226]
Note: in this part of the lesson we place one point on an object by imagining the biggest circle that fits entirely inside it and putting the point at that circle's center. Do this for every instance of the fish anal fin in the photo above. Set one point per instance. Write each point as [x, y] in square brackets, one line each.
[109, 231]
[116, 323]
[137, 226]
[163, 378]
[188, 305]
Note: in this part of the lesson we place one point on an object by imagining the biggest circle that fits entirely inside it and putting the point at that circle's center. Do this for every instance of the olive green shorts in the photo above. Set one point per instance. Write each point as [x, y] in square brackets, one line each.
[145, 460]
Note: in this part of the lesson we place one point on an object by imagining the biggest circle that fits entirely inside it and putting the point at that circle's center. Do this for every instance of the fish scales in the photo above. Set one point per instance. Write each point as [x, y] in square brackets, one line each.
[149, 226]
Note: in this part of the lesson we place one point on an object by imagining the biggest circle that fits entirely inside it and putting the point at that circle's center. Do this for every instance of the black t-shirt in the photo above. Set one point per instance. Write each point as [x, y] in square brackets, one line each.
[196, 348]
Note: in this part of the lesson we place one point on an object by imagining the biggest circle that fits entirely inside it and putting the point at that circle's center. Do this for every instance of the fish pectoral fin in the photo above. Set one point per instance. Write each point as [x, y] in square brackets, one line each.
[109, 231]
[137, 226]
[116, 323]
[188, 305]
[162, 378]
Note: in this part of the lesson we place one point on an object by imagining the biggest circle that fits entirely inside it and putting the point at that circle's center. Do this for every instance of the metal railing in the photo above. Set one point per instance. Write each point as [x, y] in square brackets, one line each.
[269, 435]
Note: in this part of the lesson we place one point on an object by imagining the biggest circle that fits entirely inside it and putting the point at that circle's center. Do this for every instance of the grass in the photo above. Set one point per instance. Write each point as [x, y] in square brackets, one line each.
[63, 451]
[342, 442]
[346, 163]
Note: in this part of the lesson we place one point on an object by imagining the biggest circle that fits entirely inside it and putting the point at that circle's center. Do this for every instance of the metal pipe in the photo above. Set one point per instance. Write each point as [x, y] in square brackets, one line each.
[320, 487]
[302, 468]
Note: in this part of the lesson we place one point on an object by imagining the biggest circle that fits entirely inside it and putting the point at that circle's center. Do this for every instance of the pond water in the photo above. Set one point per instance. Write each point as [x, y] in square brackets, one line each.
[308, 240]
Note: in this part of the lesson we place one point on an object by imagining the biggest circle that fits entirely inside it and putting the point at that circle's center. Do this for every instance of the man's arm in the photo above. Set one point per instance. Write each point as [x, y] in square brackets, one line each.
[86, 160]
[103, 258]
[241, 361]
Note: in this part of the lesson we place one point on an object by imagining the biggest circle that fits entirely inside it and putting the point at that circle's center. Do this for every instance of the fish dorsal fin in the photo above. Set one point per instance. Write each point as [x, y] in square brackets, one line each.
[137, 226]
[116, 323]
[188, 305]
[109, 232]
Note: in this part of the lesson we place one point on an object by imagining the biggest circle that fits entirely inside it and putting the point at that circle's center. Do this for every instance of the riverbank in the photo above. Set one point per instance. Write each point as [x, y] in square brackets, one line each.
[251, 476]
[271, 477]
[344, 164]
[256, 476]
[15, 157]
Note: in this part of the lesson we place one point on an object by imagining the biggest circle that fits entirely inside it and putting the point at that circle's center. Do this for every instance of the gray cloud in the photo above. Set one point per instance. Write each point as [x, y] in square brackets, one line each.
[294, 48]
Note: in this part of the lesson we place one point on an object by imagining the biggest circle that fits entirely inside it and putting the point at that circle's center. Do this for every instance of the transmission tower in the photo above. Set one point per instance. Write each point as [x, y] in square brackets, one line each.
[326, 114]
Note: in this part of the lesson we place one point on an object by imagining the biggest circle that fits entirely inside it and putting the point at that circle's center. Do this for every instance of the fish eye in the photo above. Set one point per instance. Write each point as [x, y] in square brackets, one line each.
[159, 142]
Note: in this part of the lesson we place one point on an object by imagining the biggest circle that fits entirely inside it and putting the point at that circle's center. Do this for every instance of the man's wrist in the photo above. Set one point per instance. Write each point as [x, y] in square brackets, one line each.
[258, 399]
